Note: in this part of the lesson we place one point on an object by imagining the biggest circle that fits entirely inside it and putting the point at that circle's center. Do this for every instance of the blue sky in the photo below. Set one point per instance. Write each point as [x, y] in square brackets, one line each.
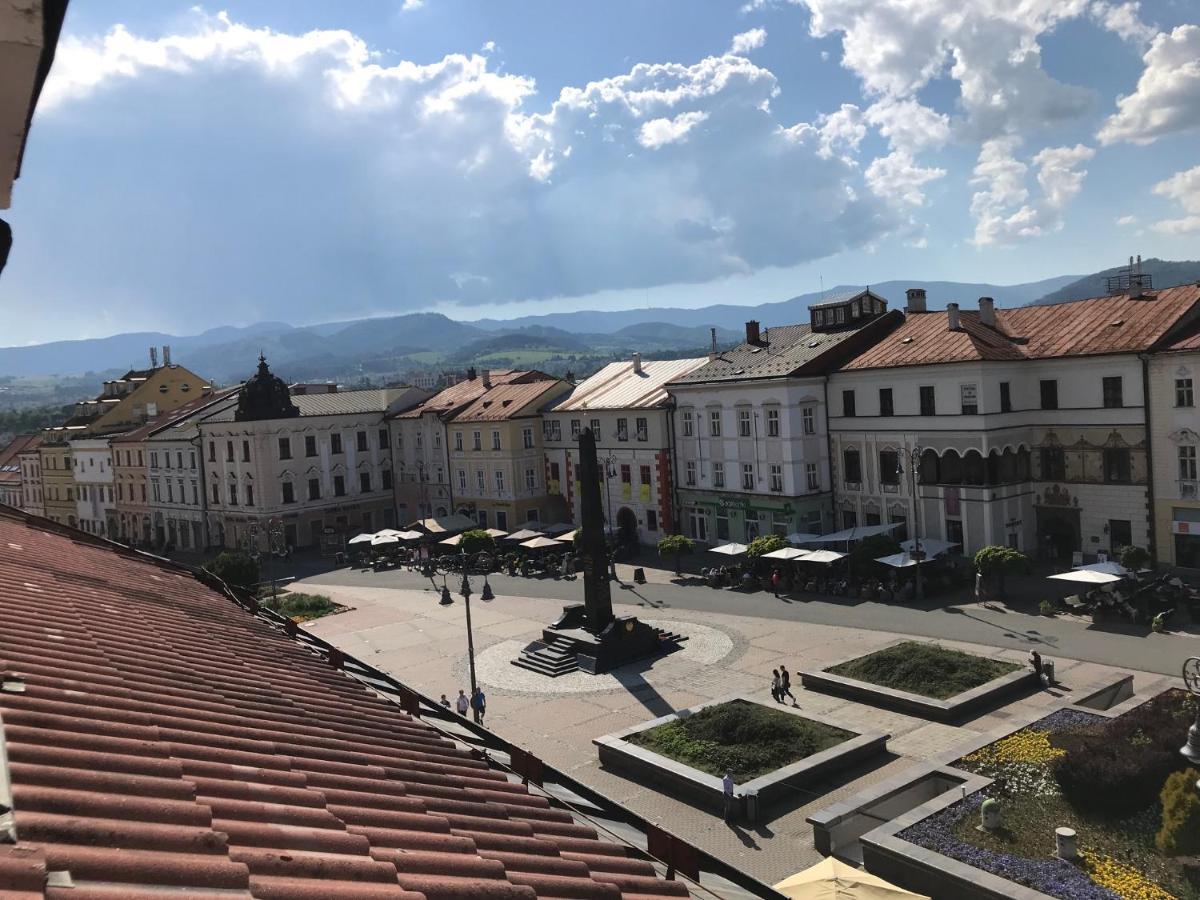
[308, 161]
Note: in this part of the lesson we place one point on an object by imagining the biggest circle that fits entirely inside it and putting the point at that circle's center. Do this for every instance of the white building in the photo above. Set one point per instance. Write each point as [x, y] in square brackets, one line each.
[750, 424]
[1030, 423]
[628, 409]
[1175, 443]
[95, 500]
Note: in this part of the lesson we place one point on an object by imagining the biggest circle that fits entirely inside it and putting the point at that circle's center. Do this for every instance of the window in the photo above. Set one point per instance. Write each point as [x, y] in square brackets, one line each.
[718, 474]
[285, 448]
[233, 494]
[216, 494]
[527, 438]
[360, 441]
[743, 423]
[576, 428]
[339, 485]
[156, 491]
[462, 480]
[153, 460]
[212, 451]
[690, 473]
[889, 467]
[195, 493]
[747, 476]
[1005, 398]
[810, 473]
[1187, 463]
[249, 495]
[476, 440]
[335, 443]
[420, 439]
[437, 439]
[166, 459]
[551, 430]
[383, 439]
[531, 479]
[644, 474]
[808, 419]
[651, 520]
[969, 394]
[480, 483]
[229, 451]
[1113, 392]
[495, 440]
[1183, 392]
[954, 531]
[853, 466]
[777, 478]
[364, 482]
[886, 408]
[400, 441]
[848, 408]
[772, 423]
[622, 429]
[928, 400]
[1116, 465]
[458, 443]
[626, 474]
[310, 445]
[642, 428]
[314, 489]
[1054, 464]
[714, 423]
[689, 424]
[387, 479]
[1049, 392]
[245, 453]
[499, 481]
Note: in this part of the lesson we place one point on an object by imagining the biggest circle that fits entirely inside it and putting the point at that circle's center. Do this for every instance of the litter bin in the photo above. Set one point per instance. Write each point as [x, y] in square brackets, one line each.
[1048, 671]
[639, 575]
[750, 806]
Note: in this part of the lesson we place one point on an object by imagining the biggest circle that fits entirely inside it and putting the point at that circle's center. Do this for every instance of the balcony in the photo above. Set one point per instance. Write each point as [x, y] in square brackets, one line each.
[1187, 489]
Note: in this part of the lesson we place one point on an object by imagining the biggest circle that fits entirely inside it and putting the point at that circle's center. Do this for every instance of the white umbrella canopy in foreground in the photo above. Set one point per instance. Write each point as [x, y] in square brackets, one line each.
[899, 560]
[1087, 576]
[731, 549]
[802, 537]
[496, 532]
[381, 539]
[567, 538]
[1107, 568]
[832, 879]
[929, 546]
[408, 535]
[524, 535]
[452, 541]
[361, 539]
[541, 543]
[825, 557]
[786, 553]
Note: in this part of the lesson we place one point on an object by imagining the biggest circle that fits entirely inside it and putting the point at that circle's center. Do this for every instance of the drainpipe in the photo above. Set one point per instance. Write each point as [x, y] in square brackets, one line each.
[199, 442]
[449, 473]
[828, 452]
[1152, 519]
[676, 509]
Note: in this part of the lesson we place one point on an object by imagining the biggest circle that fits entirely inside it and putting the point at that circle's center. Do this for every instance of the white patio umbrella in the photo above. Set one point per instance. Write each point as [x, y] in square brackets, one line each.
[381, 539]
[832, 879]
[389, 532]
[802, 537]
[899, 560]
[1107, 568]
[1087, 576]
[452, 541]
[825, 557]
[496, 532]
[524, 535]
[929, 546]
[567, 538]
[731, 549]
[541, 543]
[361, 539]
[408, 535]
[786, 553]
[557, 528]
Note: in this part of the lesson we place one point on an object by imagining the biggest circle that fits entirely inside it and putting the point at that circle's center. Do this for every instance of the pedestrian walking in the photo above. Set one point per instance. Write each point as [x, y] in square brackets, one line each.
[776, 684]
[785, 686]
[776, 581]
[479, 704]
[461, 703]
[727, 788]
[444, 701]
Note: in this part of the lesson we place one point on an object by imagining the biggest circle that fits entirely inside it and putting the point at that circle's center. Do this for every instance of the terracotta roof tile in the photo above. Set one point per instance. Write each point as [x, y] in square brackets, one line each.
[507, 401]
[163, 742]
[1119, 324]
[459, 395]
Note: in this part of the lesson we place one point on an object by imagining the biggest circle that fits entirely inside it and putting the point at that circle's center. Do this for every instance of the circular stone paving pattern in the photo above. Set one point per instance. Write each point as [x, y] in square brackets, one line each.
[705, 645]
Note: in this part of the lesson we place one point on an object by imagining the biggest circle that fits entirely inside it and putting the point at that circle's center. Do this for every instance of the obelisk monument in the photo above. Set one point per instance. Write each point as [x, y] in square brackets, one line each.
[597, 597]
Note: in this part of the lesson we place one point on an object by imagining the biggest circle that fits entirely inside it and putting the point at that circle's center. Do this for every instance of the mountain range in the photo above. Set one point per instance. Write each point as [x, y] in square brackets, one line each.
[578, 340]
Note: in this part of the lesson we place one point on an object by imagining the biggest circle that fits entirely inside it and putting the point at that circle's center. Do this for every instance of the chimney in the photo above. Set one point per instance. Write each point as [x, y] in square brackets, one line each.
[916, 300]
[987, 312]
[154, 357]
[952, 317]
[487, 378]
[713, 333]
[752, 332]
[166, 354]
[637, 363]
[471, 374]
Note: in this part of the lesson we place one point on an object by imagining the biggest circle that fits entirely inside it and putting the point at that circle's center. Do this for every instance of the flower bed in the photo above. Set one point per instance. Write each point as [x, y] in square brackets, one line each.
[925, 669]
[1118, 856]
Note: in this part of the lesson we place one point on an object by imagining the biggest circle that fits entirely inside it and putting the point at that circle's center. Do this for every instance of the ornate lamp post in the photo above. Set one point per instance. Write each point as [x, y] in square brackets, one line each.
[481, 562]
[918, 555]
[1191, 680]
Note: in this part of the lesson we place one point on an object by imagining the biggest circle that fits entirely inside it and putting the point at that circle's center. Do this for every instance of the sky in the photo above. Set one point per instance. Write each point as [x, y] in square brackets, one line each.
[305, 161]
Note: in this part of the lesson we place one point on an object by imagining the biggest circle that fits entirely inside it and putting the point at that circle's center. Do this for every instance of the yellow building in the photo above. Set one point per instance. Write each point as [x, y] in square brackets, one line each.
[58, 481]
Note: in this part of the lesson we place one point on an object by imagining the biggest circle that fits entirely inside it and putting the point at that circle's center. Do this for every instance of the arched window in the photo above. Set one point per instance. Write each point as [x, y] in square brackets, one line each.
[930, 471]
[974, 469]
[1023, 466]
[951, 468]
[851, 466]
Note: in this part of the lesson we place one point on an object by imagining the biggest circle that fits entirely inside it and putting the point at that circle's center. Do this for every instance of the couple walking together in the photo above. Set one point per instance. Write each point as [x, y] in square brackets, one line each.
[781, 685]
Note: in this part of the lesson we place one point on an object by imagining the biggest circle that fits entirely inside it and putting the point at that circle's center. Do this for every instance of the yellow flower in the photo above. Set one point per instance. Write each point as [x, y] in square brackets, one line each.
[1126, 882]
[1025, 746]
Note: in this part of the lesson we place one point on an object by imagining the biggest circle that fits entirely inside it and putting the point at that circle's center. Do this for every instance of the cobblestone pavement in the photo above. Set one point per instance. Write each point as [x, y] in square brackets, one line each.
[406, 633]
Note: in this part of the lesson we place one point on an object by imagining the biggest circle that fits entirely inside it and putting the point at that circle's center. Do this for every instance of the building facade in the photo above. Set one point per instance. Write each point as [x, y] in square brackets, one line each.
[750, 424]
[1175, 443]
[58, 480]
[33, 491]
[95, 496]
[628, 409]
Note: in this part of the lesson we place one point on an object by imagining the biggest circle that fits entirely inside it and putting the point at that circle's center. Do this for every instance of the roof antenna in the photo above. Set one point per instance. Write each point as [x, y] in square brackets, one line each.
[822, 277]
[713, 332]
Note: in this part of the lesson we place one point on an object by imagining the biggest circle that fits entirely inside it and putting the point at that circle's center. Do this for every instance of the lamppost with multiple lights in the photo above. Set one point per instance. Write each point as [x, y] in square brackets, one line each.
[480, 562]
[915, 460]
[1191, 680]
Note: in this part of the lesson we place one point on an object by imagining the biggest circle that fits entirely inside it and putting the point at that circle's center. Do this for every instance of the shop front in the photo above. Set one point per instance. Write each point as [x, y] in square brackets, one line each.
[716, 518]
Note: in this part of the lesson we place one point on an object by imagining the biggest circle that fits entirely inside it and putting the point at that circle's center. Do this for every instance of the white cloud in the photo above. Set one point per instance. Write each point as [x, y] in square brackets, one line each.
[1003, 210]
[300, 177]
[1184, 189]
[1126, 221]
[748, 40]
[1123, 20]
[1167, 98]
[660, 132]
[897, 178]
[411, 5]
[908, 125]
[842, 130]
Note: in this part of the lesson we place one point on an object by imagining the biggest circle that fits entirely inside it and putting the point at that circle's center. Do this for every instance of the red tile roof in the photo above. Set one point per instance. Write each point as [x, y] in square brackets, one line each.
[10, 462]
[1094, 327]
[506, 401]
[167, 419]
[163, 742]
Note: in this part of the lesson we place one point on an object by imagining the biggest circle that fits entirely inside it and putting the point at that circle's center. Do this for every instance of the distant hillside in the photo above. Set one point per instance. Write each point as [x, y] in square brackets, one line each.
[1163, 272]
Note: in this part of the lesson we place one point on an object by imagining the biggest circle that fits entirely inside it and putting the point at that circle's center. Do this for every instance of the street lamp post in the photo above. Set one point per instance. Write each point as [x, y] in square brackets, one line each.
[610, 469]
[1191, 680]
[913, 462]
[484, 562]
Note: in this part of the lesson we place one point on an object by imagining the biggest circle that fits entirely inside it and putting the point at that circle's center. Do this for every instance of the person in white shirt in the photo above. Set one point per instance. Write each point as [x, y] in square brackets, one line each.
[727, 786]
[461, 703]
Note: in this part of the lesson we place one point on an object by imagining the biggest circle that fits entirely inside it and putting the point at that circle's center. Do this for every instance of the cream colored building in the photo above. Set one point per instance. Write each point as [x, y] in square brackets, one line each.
[1175, 446]
[58, 481]
[32, 489]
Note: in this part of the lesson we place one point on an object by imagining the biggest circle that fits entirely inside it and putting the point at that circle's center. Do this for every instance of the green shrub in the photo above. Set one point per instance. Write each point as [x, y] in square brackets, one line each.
[1134, 558]
[925, 669]
[1046, 608]
[1180, 832]
[1119, 769]
[477, 540]
[300, 606]
[996, 562]
[862, 557]
[767, 543]
[675, 545]
[236, 569]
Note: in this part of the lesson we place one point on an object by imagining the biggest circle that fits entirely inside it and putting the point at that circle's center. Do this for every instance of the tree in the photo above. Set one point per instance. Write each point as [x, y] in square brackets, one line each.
[1180, 832]
[862, 557]
[676, 545]
[236, 569]
[477, 540]
[997, 562]
[1134, 558]
[767, 543]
